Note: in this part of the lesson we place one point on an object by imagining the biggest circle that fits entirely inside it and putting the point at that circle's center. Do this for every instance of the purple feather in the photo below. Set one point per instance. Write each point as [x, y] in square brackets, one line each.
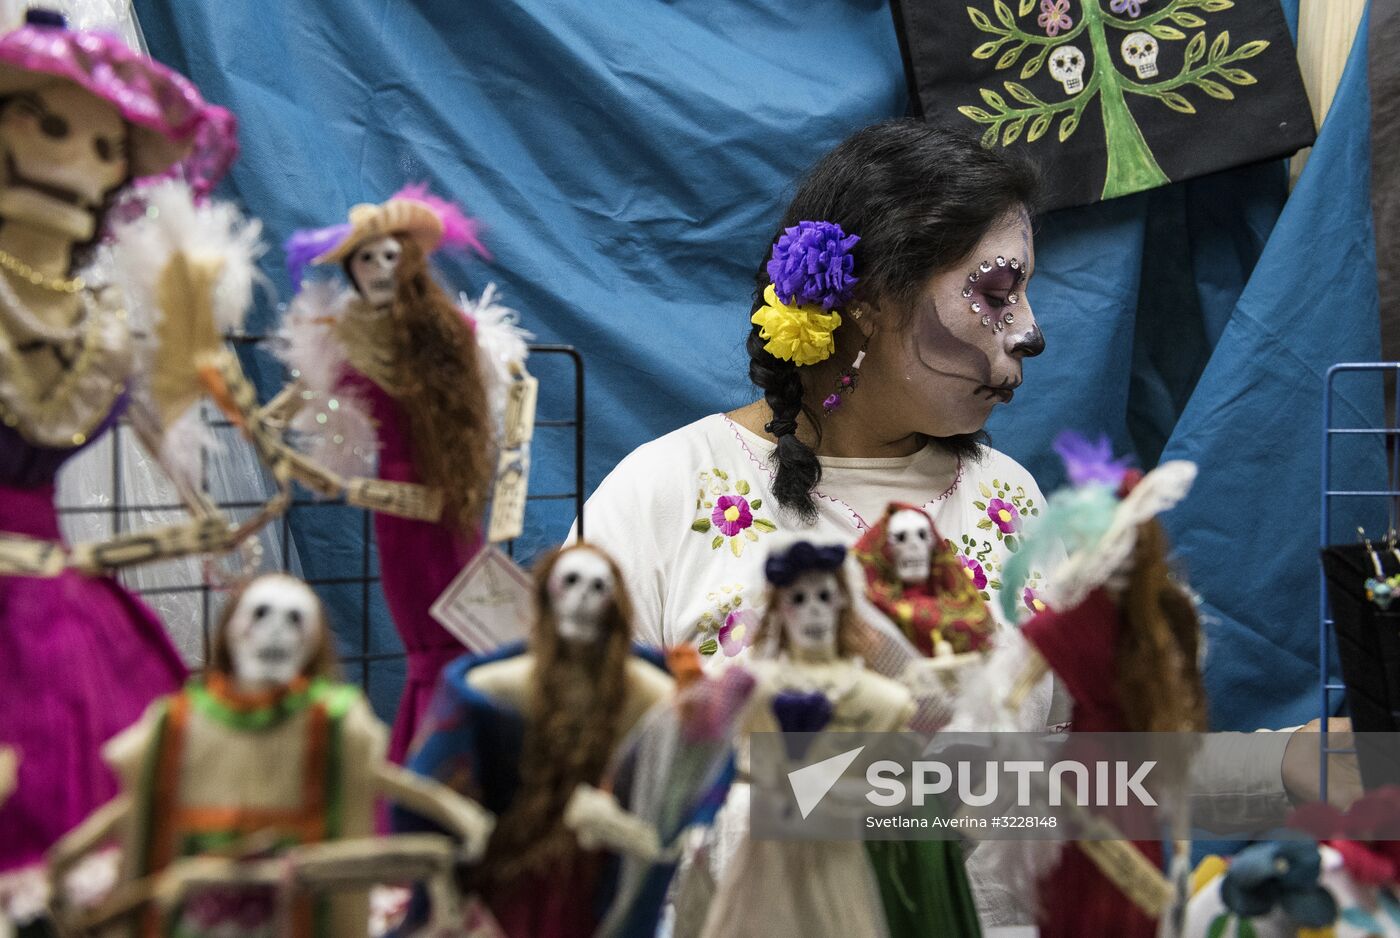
[307, 244]
[1087, 462]
[812, 263]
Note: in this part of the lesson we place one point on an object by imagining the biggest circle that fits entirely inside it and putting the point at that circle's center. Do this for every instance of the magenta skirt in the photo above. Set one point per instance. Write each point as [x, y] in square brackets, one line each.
[80, 658]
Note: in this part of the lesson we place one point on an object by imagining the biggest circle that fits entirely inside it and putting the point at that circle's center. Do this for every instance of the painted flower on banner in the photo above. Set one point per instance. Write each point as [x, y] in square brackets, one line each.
[1054, 16]
[974, 571]
[1130, 7]
[725, 509]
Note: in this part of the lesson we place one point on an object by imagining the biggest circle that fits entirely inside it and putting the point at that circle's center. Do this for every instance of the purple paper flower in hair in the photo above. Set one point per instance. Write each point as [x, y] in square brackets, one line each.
[812, 263]
[307, 244]
[1087, 461]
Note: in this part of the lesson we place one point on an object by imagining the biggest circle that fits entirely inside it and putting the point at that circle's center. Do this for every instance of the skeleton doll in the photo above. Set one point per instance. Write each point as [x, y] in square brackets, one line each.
[266, 755]
[393, 367]
[522, 728]
[81, 118]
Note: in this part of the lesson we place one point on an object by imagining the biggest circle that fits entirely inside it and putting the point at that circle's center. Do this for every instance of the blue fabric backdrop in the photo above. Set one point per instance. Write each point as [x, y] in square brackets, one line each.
[628, 158]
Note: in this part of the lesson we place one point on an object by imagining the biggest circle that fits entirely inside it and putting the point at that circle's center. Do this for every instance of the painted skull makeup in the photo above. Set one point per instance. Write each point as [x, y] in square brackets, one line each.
[581, 590]
[65, 150]
[910, 540]
[810, 608]
[274, 632]
[991, 309]
[372, 268]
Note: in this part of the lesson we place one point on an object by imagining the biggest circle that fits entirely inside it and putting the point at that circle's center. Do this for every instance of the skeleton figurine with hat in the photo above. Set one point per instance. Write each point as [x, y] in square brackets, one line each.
[83, 119]
[270, 700]
[1123, 637]
[393, 371]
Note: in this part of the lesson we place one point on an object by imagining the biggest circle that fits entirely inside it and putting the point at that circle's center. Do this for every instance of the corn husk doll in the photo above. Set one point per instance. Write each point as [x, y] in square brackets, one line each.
[265, 755]
[82, 117]
[1122, 636]
[393, 373]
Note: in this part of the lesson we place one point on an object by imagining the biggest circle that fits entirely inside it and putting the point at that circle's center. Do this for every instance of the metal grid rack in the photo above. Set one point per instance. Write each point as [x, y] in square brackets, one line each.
[1389, 373]
[358, 663]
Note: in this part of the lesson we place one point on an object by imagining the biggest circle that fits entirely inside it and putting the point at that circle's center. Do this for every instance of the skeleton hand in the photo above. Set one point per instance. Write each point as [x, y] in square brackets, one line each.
[597, 820]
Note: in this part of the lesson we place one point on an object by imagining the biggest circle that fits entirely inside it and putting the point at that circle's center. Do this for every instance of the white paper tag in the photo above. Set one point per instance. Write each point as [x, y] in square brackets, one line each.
[488, 604]
[513, 464]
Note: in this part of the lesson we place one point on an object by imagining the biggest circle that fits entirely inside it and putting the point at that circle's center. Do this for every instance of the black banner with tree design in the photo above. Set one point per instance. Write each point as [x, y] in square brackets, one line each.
[1111, 96]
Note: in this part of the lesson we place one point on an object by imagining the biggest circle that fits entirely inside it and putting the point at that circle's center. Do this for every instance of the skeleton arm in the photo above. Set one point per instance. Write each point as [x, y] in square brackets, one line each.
[460, 816]
[598, 820]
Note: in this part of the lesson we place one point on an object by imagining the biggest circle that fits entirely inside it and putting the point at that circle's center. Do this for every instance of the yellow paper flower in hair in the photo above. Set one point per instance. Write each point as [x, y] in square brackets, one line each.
[799, 334]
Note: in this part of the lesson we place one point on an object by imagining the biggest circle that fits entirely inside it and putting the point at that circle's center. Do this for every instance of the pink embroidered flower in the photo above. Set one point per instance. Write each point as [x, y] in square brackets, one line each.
[738, 631]
[1131, 7]
[1033, 601]
[974, 572]
[1004, 515]
[731, 514]
[1054, 16]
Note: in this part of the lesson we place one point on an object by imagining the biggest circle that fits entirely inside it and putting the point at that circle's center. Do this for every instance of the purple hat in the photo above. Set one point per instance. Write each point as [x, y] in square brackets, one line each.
[169, 119]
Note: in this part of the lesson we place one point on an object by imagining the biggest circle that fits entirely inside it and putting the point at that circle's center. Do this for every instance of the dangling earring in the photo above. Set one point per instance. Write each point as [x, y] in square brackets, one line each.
[846, 381]
[1380, 589]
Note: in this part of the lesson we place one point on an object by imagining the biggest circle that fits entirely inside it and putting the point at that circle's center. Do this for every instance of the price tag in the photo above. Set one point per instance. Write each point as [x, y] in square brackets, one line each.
[488, 604]
[513, 464]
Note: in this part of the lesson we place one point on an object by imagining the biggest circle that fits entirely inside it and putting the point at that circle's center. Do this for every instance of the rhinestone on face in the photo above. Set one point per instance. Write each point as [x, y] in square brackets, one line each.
[984, 266]
[986, 320]
[1001, 261]
[972, 277]
[1011, 298]
[997, 327]
[967, 291]
[977, 307]
[1008, 319]
[1015, 264]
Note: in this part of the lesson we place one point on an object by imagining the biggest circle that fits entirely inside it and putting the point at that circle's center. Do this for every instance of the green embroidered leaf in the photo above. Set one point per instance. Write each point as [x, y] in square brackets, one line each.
[989, 139]
[1010, 56]
[1237, 76]
[1068, 126]
[1163, 31]
[995, 584]
[1027, 6]
[1245, 929]
[986, 492]
[736, 546]
[1032, 511]
[1013, 131]
[700, 525]
[749, 533]
[1034, 63]
[976, 113]
[1038, 128]
[996, 483]
[741, 487]
[994, 99]
[1217, 925]
[715, 544]
[764, 525]
[1194, 50]
[966, 539]
[1218, 47]
[756, 503]
[1022, 93]
[985, 524]
[709, 646]
[1011, 544]
[1004, 13]
[980, 506]
[1177, 102]
[1189, 20]
[1215, 6]
[979, 19]
[985, 596]
[987, 49]
[1250, 49]
[1215, 89]
[709, 504]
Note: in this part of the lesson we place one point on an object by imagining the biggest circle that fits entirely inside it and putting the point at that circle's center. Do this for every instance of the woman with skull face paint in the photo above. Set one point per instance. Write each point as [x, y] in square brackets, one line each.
[521, 728]
[81, 116]
[394, 367]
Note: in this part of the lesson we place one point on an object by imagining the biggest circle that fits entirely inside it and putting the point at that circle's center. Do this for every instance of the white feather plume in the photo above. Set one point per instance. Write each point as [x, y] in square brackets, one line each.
[502, 345]
[333, 425]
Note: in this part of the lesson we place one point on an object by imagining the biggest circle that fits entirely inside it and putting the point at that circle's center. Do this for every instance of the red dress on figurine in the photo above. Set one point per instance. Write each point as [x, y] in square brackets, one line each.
[1080, 645]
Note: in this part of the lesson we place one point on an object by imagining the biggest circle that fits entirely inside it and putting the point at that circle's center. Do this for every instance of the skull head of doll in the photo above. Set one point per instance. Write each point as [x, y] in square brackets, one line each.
[273, 633]
[373, 266]
[910, 538]
[810, 608]
[581, 590]
[65, 151]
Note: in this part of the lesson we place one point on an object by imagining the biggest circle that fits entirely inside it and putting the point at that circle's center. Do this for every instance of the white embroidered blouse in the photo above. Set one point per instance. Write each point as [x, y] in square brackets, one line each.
[686, 517]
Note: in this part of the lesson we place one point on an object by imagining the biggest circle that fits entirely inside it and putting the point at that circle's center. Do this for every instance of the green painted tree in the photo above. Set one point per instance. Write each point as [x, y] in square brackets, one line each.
[1209, 65]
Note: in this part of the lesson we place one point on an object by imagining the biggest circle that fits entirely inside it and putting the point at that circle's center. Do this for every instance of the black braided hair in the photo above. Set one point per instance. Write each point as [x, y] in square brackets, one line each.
[921, 196]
